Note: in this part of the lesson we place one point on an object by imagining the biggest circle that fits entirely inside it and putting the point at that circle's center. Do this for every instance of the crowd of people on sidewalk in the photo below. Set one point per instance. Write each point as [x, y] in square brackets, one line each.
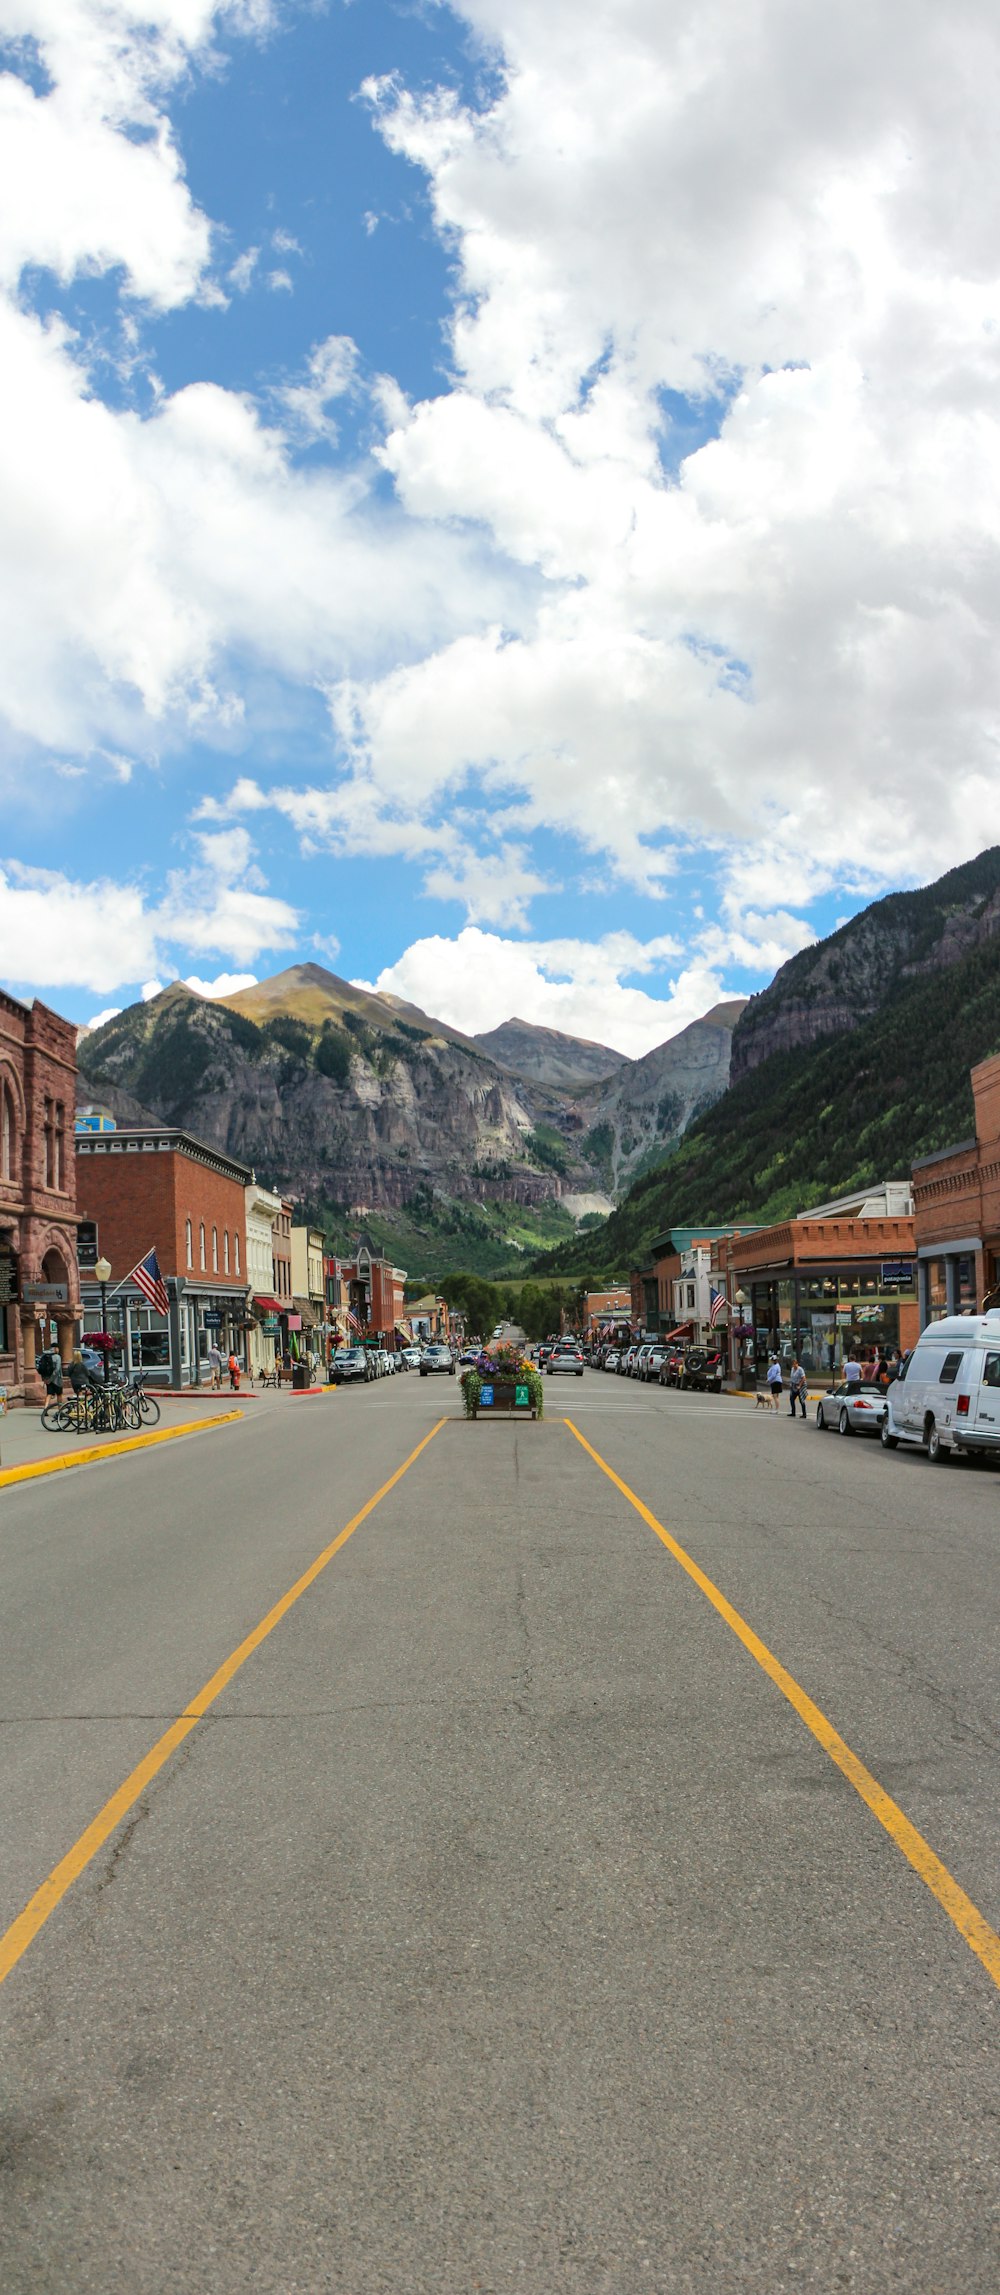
[878, 1370]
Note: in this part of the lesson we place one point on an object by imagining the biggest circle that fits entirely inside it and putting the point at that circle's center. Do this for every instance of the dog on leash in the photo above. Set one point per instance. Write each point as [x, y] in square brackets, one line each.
[767, 1399]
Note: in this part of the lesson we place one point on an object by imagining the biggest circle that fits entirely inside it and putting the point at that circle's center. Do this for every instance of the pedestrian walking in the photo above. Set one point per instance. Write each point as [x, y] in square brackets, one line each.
[234, 1374]
[49, 1368]
[774, 1379]
[797, 1387]
[215, 1365]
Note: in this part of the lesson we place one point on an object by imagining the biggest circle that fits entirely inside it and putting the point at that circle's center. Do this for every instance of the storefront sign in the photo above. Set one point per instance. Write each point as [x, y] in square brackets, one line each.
[294, 1322]
[212, 1319]
[8, 1281]
[844, 1314]
[270, 1323]
[899, 1271]
[47, 1294]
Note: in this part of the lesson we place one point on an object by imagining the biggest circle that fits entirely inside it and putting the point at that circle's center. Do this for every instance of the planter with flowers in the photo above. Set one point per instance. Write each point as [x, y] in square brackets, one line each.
[502, 1383]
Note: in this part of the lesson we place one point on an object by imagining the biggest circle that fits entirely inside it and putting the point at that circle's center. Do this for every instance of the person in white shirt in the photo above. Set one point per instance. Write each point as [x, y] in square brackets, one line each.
[852, 1371]
[774, 1376]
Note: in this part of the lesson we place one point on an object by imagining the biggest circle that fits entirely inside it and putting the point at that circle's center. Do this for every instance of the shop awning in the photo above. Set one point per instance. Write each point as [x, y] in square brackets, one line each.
[262, 1305]
[683, 1331]
[305, 1308]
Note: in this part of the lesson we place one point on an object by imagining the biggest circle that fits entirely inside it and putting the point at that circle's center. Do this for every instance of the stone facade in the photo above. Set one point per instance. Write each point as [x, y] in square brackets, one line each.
[38, 1218]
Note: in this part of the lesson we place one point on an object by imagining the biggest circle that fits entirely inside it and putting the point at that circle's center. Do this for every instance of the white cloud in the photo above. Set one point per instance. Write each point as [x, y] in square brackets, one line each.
[224, 984]
[479, 979]
[98, 1019]
[240, 275]
[97, 935]
[280, 282]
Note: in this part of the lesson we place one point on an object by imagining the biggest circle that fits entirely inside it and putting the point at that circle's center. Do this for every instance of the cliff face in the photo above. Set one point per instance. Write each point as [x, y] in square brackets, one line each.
[355, 1116]
[344, 1097]
[636, 1117]
[843, 981]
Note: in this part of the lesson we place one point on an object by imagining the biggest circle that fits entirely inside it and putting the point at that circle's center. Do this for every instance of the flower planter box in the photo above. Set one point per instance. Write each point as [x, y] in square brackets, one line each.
[503, 1396]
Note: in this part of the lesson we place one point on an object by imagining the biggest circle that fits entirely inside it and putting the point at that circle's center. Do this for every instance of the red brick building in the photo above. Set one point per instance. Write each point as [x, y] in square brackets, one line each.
[160, 1189]
[956, 1207]
[39, 1296]
[375, 1293]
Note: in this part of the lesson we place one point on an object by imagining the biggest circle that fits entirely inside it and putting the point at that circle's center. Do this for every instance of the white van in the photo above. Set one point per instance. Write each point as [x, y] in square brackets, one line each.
[948, 1396]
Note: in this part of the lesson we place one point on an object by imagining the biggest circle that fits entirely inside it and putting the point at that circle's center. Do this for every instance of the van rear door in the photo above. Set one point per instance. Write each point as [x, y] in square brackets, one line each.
[984, 1408]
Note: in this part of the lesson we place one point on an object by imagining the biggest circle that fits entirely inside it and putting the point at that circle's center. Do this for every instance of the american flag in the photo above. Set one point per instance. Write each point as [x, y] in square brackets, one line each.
[150, 1281]
[717, 1305]
[353, 1320]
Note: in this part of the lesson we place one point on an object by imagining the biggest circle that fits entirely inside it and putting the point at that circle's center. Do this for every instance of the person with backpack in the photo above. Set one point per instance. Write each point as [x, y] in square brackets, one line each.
[49, 1368]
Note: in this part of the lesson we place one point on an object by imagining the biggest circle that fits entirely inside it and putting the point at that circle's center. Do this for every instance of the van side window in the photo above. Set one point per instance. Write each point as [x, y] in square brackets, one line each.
[950, 1369]
[991, 1371]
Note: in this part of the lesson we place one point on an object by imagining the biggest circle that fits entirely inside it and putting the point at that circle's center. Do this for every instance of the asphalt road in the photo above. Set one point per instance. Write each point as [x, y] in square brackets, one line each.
[501, 1925]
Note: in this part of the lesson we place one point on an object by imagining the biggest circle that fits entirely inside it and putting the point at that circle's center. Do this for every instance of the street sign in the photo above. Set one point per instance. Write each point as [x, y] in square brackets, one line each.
[46, 1294]
[86, 1243]
[522, 1397]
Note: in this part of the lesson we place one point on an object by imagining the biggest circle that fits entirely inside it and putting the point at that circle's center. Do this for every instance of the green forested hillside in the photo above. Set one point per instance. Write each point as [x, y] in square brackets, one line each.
[814, 1123]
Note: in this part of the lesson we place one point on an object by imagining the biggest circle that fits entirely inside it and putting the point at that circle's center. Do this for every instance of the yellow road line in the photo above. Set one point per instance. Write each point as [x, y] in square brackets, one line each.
[960, 1909]
[113, 1449]
[36, 1912]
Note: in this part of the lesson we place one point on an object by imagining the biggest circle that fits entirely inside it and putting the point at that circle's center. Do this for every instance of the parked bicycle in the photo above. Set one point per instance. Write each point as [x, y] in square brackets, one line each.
[119, 1406]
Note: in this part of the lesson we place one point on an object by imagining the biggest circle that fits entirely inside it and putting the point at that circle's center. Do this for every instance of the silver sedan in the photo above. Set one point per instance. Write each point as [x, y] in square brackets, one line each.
[857, 1409]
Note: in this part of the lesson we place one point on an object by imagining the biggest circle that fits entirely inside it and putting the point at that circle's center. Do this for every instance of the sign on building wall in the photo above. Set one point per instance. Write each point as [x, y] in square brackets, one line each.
[46, 1294]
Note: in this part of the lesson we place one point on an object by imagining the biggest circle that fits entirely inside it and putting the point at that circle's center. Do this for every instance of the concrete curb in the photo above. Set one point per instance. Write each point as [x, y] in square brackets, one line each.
[112, 1449]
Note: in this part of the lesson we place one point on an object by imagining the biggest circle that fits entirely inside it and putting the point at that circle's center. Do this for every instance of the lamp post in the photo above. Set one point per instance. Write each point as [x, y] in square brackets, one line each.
[739, 1302]
[102, 1270]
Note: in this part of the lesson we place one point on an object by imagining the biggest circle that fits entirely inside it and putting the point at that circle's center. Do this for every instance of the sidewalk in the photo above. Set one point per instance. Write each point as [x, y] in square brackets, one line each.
[24, 1440]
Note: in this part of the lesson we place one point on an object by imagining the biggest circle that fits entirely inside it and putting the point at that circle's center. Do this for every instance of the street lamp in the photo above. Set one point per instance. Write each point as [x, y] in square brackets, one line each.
[102, 1270]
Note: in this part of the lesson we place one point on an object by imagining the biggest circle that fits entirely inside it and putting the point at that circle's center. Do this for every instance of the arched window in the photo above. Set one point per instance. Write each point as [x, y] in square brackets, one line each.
[215, 1250]
[6, 1134]
[225, 1249]
[236, 1248]
[189, 1242]
[201, 1241]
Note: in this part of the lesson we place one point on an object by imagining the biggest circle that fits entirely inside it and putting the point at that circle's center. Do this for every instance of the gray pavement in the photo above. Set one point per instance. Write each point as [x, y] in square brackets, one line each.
[502, 1926]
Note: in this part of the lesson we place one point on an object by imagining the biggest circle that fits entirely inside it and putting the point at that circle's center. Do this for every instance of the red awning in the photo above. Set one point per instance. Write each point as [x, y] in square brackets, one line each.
[683, 1331]
[262, 1305]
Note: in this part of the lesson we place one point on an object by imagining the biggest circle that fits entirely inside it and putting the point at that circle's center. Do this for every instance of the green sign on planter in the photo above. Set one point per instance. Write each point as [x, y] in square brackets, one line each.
[521, 1398]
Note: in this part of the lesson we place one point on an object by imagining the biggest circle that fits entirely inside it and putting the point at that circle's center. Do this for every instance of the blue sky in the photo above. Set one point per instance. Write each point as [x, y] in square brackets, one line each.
[467, 509]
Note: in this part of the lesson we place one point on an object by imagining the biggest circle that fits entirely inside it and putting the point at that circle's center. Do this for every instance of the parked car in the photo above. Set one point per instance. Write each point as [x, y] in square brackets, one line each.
[436, 1358]
[946, 1397]
[672, 1367]
[349, 1363]
[543, 1354]
[625, 1362]
[653, 1359]
[857, 1409]
[411, 1356]
[611, 1359]
[568, 1357]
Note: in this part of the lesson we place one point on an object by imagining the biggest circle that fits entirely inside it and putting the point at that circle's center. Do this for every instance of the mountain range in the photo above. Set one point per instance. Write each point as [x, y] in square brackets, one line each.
[852, 1064]
[470, 1150]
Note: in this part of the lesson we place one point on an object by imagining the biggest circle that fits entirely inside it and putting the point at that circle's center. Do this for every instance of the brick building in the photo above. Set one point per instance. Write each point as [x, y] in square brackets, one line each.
[837, 1279]
[956, 1208]
[39, 1296]
[160, 1189]
[375, 1293]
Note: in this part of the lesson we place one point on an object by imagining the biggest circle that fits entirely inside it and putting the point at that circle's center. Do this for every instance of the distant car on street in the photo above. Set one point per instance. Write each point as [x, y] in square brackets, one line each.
[411, 1356]
[858, 1409]
[349, 1363]
[436, 1358]
[611, 1359]
[565, 1358]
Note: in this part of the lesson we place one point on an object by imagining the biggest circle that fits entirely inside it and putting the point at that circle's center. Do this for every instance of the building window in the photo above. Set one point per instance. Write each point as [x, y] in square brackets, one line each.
[6, 1134]
[47, 1134]
[201, 1241]
[59, 1173]
[225, 1249]
[236, 1248]
[189, 1243]
[215, 1250]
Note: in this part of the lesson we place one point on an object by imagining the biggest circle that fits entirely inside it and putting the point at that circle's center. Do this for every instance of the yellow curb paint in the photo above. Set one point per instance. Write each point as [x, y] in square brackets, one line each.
[100, 1450]
[969, 1921]
[36, 1912]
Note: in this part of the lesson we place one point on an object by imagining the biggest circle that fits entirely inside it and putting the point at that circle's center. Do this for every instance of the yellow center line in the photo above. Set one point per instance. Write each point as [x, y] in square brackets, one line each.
[24, 1929]
[960, 1909]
